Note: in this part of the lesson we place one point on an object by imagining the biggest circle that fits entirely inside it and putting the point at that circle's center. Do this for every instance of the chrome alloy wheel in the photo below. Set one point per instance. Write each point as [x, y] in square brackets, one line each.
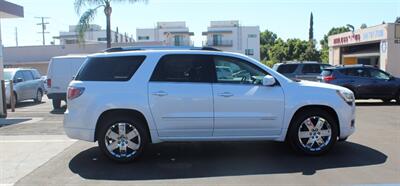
[122, 140]
[314, 133]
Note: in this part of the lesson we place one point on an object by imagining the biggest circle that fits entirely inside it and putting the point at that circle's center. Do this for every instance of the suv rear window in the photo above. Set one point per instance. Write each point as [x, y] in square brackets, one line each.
[287, 68]
[110, 68]
[326, 72]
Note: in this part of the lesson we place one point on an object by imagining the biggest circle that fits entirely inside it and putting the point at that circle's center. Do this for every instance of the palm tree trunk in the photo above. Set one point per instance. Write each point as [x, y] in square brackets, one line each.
[107, 11]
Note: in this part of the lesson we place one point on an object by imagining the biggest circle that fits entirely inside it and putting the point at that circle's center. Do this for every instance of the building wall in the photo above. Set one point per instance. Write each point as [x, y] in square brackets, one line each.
[393, 52]
[39, 56]
[242, 37]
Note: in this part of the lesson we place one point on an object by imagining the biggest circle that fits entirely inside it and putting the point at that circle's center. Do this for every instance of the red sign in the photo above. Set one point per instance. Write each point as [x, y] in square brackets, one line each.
[347, 39]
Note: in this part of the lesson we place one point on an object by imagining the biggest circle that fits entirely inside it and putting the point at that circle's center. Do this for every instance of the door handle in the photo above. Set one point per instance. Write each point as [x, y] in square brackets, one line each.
[160, 93]
[226, 94]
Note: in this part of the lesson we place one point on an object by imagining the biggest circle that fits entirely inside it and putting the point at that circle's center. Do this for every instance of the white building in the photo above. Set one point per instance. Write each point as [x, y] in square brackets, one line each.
[95, 34]
[230, 36]
[169, 33]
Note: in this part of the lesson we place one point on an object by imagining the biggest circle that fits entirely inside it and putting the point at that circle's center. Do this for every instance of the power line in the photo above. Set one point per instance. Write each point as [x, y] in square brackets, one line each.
[43, 24]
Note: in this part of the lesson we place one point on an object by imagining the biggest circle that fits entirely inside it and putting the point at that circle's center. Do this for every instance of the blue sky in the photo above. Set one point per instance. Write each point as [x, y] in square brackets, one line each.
[287, 18]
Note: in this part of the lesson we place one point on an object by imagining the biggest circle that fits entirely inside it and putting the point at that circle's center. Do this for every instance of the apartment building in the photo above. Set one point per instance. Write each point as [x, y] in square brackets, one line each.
[95, 34]
[168, 33]
[233, 37]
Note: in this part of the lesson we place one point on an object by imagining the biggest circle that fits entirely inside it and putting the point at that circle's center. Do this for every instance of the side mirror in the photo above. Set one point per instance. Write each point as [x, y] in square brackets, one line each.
[18, 80]
[268, 80]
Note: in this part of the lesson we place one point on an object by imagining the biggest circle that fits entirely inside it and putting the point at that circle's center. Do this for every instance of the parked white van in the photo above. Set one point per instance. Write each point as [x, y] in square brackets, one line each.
[61, 71]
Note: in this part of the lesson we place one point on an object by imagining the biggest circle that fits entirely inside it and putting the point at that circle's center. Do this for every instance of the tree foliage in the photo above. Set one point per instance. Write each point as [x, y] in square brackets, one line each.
[88, 16]
[311, 30]
[324, 42]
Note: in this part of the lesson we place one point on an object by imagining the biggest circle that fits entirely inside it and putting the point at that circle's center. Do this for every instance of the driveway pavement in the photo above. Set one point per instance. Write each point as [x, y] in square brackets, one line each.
[370, 156]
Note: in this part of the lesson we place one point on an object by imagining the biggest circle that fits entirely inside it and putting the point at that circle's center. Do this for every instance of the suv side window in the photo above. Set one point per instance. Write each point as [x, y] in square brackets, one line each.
[184, 68]
[311, 69]
[287, 68]
[27, 75]
[119, 68]
[355, 72]
[234, 70]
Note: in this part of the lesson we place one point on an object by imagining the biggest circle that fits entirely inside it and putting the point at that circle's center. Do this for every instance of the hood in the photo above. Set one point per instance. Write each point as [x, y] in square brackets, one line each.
[314, 84]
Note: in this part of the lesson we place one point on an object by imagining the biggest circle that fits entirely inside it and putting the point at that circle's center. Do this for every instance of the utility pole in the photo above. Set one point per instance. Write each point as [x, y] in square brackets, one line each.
[16, 36]
[43, 24]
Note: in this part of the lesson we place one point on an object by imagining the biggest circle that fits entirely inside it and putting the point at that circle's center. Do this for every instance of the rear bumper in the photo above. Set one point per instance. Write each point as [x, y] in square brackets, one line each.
[74, 128]
[60, 96]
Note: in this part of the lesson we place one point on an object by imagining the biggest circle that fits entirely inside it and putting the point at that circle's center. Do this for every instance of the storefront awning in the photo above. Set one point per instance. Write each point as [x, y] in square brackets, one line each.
[362, 54]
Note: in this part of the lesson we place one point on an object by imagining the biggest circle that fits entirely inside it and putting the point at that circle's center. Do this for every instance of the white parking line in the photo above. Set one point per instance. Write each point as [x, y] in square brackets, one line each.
[35, 141]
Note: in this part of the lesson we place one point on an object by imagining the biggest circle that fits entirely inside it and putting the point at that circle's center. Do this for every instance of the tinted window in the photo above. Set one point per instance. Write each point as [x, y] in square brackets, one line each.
[357, 72]
[110, 68]
[27, 75]
[312, 69]
[184, 68]
[233, 70]
[377, 74]
[286, 69]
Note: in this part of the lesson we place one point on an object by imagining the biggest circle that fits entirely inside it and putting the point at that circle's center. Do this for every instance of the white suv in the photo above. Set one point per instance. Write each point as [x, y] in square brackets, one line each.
[126, 100]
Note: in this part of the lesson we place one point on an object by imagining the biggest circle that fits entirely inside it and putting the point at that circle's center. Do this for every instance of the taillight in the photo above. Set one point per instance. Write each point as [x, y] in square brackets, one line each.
[329, 78]
[48, 81]
[74, 92]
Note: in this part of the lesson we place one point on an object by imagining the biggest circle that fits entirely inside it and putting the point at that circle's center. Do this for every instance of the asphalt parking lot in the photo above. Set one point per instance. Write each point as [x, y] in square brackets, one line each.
[35, 151]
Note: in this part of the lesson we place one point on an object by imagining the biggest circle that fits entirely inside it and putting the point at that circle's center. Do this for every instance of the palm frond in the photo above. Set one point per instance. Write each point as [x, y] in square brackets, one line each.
[79, 4]
[84, 23]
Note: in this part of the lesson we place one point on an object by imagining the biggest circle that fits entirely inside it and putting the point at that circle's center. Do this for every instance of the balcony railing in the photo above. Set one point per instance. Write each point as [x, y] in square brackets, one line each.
[226, 43]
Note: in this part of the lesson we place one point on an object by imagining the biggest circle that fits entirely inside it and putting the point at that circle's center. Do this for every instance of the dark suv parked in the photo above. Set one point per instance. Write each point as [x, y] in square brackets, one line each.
[366, 82]
[301, 70]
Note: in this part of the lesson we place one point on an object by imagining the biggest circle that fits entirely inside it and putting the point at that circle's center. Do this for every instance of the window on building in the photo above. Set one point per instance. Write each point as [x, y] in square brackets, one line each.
[249, 52]
[143, 37]
[252, 35]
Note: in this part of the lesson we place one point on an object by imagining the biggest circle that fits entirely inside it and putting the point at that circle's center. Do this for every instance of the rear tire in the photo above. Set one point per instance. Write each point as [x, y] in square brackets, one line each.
[313, 132]
[39, 95]
[122, 138]
[56, 103]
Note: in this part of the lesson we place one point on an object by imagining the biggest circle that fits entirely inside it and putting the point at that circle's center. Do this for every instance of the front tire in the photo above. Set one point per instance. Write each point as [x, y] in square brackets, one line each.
[313, 132]
[122, 138]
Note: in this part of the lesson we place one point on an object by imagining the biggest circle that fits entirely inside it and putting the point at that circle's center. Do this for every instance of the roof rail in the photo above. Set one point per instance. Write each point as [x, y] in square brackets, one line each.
[136, 48]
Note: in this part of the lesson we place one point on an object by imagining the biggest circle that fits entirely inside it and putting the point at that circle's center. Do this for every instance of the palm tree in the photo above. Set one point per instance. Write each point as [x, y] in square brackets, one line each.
[88, 16]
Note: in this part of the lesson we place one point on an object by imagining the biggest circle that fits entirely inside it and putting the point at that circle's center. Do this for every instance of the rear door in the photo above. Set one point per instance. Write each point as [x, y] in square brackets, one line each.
[30, 85]
[242, 105]
[180, 96]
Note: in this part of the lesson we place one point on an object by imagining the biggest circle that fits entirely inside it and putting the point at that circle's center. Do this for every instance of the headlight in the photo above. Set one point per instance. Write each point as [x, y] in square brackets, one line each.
[347, 96]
